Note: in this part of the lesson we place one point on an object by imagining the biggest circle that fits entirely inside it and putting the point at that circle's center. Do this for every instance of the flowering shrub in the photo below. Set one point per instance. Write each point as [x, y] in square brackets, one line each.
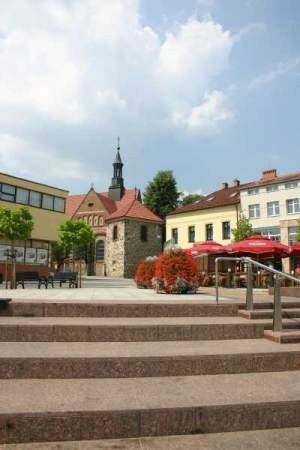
[144, 274]
[176, 273]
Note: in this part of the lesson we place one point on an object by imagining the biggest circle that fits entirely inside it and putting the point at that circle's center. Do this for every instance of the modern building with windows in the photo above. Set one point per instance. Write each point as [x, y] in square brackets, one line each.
[273, 206]
[211, 218]
[47, 206]
[126, 231]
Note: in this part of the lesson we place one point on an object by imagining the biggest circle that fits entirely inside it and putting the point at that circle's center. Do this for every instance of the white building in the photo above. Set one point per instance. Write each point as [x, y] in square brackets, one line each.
[273, 205]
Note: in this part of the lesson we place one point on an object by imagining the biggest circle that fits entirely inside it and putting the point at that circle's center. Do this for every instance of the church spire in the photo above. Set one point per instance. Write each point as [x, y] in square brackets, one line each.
[116, 190]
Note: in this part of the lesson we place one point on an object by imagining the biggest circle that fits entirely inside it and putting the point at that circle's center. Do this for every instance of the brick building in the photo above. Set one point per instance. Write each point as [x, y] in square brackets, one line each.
[126, 231]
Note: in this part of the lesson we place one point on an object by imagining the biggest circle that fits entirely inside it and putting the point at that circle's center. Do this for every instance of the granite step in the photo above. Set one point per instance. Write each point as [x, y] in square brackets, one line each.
[79, 409]
[143, 359]
[290, 336]
[118, 309]
[79, 329]
[275, 439]
[287, 313]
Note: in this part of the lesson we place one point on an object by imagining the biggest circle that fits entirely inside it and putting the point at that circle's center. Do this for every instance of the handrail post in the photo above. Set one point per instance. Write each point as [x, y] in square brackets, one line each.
[277, 316]
[217, 279]
[249, 295]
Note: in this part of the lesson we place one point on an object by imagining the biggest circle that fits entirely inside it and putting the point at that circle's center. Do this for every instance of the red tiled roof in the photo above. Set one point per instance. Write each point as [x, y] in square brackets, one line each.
[72, 204]
[277, 179]
[134, 209]
[224, 197]
[107, 202]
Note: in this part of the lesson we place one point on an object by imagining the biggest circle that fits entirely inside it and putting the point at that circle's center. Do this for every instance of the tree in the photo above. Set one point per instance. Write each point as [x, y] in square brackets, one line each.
[243, 230]
[190, 198]
[58, 254]
[161, 194]
[16, 224]
[77, 238]
[298, 232]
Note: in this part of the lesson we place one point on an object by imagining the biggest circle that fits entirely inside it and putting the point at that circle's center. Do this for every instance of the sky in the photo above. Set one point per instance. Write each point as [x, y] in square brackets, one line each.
[209, 89]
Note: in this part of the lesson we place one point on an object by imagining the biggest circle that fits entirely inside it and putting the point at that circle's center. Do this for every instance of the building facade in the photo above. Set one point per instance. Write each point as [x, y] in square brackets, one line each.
[47, 207]
[125, 230]
[211, 218]
[272, 205]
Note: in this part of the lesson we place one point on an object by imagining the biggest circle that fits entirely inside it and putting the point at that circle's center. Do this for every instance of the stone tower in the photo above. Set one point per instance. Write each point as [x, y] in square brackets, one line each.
[116, 189]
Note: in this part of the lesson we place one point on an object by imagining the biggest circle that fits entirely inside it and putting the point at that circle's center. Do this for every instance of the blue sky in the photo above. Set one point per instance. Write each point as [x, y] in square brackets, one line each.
[207, 88]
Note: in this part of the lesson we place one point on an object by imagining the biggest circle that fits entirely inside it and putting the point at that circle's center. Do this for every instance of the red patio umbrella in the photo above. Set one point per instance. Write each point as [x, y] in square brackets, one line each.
[260, 246]
[206, 248]
[296, 249]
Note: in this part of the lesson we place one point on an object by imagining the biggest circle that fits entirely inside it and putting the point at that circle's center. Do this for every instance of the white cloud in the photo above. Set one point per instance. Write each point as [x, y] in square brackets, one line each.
[90, 66]
[281, 69]
[209, 116]
[24, 160]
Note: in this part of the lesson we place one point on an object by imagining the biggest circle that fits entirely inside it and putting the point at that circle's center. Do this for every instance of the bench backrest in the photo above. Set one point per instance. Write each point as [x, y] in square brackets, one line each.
[65, 276]
[27, 276]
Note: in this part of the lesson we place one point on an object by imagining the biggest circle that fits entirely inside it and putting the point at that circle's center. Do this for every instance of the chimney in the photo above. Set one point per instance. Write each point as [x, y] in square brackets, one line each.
[224, 185]
[236, 182]
[269, 175]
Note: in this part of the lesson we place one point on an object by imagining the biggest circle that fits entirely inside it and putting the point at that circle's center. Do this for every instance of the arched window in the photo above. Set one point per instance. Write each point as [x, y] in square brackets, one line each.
[91, 220]
[100, 250]
[115, 233]
[101, 221]
[95, 221]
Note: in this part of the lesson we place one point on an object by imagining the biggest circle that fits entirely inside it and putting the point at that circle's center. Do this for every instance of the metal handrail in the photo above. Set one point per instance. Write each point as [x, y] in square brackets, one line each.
[277, 316]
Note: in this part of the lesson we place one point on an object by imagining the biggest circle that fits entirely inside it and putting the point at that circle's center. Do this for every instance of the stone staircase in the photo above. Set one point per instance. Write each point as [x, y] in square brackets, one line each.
[113, 370]
[290, 322]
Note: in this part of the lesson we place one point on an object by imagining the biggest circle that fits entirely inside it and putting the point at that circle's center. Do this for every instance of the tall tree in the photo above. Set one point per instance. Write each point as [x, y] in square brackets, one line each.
[161, 195]
[16, 224]
[298, 231]
[243, 230]
[190, 198]
[78, 239]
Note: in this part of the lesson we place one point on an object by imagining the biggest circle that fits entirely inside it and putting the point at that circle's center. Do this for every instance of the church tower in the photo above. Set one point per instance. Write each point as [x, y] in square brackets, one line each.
[116, 190]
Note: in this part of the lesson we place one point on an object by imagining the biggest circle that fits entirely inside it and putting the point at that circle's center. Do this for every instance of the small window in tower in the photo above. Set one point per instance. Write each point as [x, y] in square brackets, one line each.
[115, 233]
[144, 233]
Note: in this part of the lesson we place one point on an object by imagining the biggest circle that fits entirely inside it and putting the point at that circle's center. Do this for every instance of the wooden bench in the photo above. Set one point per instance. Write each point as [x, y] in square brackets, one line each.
[64, 277]
[4, 304]
[31, 277]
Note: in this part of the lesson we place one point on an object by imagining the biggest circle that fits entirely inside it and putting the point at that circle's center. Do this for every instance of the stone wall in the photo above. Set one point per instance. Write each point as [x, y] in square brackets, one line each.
[135, 248]
[115, 250]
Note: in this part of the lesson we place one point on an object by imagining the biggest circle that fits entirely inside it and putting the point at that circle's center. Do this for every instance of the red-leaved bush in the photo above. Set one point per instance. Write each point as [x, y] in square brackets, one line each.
[176, 272]
[144, 274]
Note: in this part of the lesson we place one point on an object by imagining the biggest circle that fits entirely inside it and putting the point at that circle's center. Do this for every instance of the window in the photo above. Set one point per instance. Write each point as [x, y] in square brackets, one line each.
[209, 231]
[96, 221]
[272, 188]
[35, 199]
[271, 232]
[174, 233]
[22, 196]
[293, 206]
[144, 233]
[291, 185]
[253, 191]
[115, 233]
[101, 221]
[8, 192]
[191, 233]
[273, 209]
[292, 235]
[254, 211]
[100, 250]
[47, 202]
[226, 230]
[91, 221]
[59, 204]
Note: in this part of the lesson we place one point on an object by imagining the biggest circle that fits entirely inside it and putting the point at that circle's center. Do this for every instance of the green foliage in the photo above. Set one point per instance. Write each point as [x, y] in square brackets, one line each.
[298, 232]
[15, 224]
[243, 230]
[161, 194]
[75, 236]
[190, 198]
[58, 254]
